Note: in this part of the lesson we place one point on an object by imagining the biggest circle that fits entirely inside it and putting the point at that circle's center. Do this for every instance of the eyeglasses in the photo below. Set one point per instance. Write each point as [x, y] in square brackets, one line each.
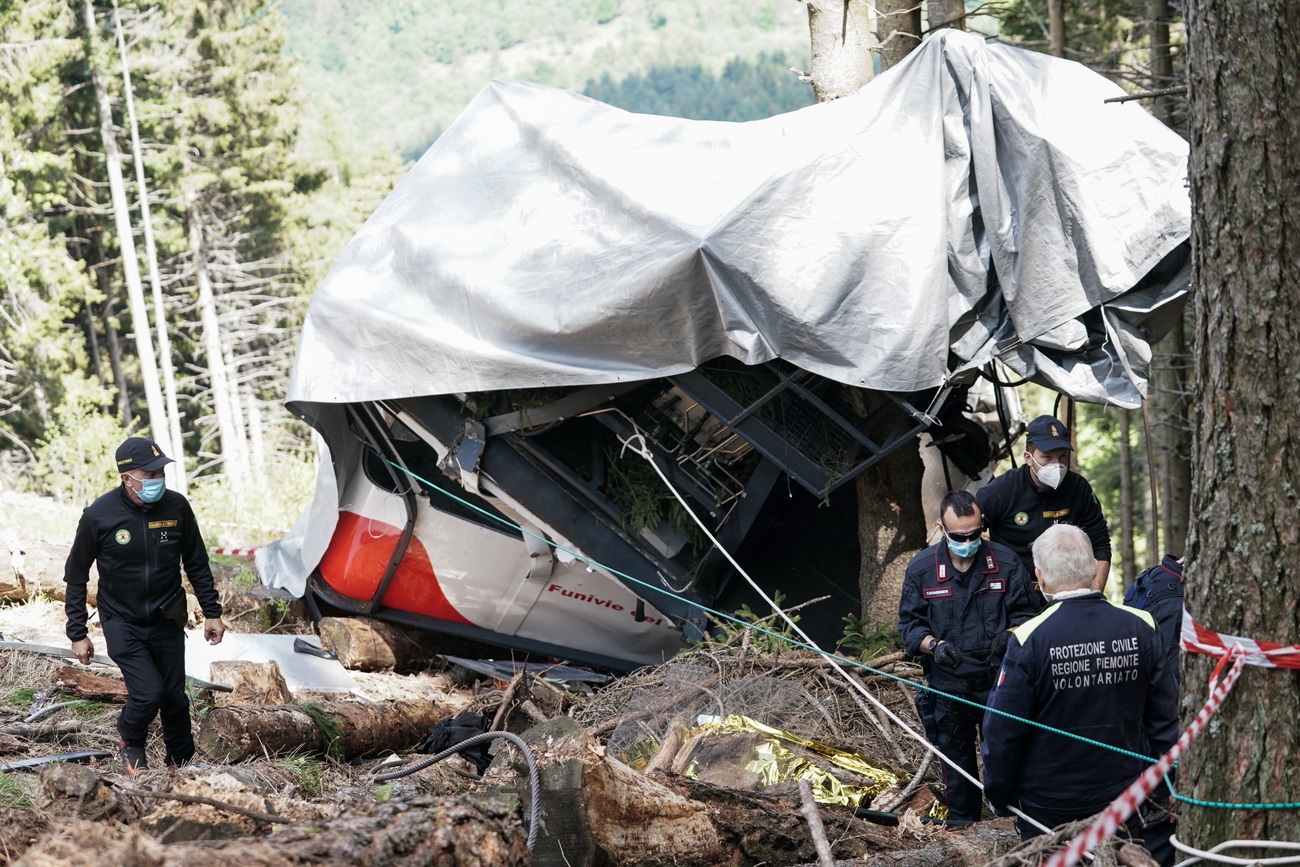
[962, 537]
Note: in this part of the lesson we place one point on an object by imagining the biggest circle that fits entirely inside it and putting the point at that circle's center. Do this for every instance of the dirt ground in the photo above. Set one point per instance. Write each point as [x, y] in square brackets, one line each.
[211, 812]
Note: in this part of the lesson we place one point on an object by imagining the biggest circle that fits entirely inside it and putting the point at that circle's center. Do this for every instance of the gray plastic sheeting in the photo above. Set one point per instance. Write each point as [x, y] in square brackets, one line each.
[547, 239]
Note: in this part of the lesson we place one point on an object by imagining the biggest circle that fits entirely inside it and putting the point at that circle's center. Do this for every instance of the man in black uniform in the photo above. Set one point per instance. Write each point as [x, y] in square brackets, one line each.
[1019, 505]
[959, 599]
[1086, 666]
[139, 535]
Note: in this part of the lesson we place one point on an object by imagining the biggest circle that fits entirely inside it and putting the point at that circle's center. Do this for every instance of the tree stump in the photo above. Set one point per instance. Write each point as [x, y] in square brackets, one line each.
[254, 683]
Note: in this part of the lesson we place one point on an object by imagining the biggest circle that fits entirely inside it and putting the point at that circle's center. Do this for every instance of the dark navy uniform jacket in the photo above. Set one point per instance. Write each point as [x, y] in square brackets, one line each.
[1088, 666]
[1017, 511]
[1159, 590]
[968, 610]
[139, 550]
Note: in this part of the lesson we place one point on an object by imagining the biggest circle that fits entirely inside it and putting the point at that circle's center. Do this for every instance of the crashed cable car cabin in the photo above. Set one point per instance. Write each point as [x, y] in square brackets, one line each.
[567, 315]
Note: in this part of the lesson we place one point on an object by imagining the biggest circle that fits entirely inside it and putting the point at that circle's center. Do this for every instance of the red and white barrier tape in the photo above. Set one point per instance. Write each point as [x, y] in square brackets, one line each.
[1123, 806]
[233, 552]
[1197, 639]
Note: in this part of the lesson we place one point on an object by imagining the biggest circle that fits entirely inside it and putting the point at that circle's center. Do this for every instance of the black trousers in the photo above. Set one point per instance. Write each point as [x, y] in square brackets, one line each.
[954, 728]
[152, 659]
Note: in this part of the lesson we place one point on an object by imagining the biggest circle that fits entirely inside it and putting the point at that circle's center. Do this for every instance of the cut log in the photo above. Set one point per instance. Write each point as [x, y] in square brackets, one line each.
[256, 683]
[91, 687]
[234, 733]
[425, 832]
[364, 644]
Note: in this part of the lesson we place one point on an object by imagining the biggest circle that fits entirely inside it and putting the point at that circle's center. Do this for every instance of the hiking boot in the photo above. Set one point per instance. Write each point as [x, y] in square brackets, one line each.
[133, 759]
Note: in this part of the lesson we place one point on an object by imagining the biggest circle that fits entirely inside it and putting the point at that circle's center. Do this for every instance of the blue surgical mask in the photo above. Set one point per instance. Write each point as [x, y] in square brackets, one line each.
[964, 549]
[151, 490]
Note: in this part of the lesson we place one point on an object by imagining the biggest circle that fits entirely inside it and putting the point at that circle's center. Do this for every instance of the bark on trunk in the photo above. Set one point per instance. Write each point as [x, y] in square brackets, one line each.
[1162, 65]
[1056, 24]
[891, 525]
[1129, 569]
[841, 47]
[1172, 431]
[345, 729]
[91, 687]
[1244, 58]
[945, 13]
[898, 29]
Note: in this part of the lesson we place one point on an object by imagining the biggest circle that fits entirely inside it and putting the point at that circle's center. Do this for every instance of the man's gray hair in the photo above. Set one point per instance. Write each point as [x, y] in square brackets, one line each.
[1063, 554]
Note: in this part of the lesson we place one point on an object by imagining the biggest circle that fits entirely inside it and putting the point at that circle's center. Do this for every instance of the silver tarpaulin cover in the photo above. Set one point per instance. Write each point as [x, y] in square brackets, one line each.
[976, 197]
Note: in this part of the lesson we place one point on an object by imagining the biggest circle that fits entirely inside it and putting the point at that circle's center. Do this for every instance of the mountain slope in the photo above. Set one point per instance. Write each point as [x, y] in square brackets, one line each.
[397, 72]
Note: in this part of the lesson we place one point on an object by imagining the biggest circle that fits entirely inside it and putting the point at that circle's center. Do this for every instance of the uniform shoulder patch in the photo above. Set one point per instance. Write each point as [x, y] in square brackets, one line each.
[1021, 519]
[1144, 616]
[122, 536]
[1026, 629]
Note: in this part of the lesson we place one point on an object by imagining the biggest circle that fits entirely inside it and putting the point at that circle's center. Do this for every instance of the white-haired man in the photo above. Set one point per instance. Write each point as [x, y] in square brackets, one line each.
[1090, 667]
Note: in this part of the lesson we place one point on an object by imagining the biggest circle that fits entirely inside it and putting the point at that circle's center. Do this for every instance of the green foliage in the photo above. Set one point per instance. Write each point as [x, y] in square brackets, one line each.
[285, 487]
[310, 773]
[40, 286]
[867, 639]
[775, 630]
[330, 731]
[400, 72]
[13, 792]
[644, 501]
[744, 90]
[21, 697]
[1113, 37]
[383, 793]
[75, 460]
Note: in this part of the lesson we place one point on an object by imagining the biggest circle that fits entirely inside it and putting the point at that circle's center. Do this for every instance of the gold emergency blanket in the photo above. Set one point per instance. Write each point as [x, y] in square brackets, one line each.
[775, 763]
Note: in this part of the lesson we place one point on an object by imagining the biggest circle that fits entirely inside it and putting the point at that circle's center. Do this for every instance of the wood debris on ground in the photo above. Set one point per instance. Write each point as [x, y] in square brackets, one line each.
[284, 776]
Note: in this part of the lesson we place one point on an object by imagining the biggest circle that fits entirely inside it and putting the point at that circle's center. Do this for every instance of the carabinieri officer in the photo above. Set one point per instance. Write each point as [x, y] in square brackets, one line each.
[960, 598]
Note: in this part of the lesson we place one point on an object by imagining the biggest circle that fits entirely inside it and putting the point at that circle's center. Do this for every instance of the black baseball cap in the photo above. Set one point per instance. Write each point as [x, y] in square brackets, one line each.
[1046, 433]
[140, 453]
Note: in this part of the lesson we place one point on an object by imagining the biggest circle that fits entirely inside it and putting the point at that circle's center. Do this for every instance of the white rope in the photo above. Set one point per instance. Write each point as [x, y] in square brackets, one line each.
[644, 451]
[1213, 855]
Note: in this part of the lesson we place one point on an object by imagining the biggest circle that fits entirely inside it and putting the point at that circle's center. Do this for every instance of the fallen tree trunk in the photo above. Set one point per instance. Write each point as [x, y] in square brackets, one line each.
[344, 729]
[427, 832]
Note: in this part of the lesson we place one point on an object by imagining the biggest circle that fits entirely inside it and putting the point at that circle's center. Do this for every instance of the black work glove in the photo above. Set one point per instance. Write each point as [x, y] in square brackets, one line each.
[999, 648]
[1000, 809]
[947, 654]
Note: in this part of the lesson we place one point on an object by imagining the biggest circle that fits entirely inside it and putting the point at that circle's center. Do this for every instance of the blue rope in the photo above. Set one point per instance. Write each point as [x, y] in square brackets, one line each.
[837, 658]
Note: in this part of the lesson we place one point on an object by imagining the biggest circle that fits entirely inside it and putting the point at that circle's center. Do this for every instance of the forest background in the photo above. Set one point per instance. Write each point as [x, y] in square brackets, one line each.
[251, 139]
